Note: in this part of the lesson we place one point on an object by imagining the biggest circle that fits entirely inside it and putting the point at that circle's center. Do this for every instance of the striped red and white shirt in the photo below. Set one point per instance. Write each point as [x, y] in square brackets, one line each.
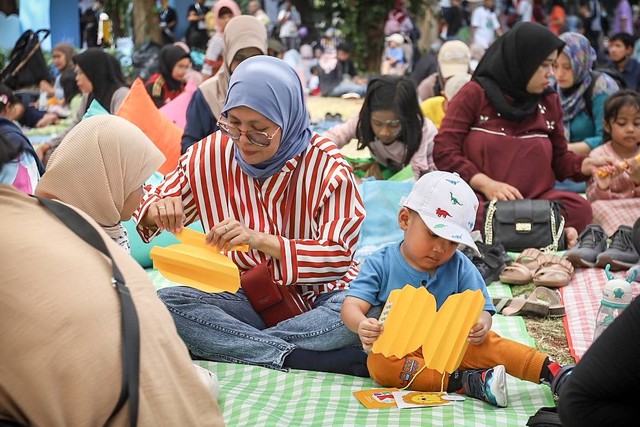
[326, 216]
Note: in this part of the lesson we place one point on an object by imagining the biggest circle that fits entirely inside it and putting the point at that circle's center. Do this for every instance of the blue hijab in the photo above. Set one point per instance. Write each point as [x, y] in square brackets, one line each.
[272, 88]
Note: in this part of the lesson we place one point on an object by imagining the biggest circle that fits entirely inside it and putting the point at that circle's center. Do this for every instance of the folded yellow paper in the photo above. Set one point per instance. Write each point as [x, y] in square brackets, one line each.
[411, 321]
[197, 264]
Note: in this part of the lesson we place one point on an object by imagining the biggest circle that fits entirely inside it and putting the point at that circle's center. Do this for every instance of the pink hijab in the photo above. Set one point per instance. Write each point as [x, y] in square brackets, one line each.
[229, 4]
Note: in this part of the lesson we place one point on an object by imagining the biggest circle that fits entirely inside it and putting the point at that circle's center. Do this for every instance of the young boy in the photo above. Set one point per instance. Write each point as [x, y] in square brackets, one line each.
[620, 51]
[394, 60]
[439, 214]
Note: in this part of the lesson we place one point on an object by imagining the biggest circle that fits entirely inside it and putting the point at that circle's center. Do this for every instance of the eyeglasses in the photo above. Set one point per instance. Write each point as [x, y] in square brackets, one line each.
[261, 139]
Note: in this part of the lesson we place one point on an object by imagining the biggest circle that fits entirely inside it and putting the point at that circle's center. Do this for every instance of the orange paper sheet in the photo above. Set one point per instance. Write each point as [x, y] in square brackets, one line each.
[411, 321]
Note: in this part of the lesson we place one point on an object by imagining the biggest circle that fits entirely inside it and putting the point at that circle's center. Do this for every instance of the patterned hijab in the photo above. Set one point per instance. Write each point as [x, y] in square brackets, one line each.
[241, 32]
[508, 65]
[582, 57]
[100, 162]
[278, 95]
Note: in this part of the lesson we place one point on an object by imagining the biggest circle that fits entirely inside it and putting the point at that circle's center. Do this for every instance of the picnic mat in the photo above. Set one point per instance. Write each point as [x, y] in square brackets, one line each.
[256, 396]
[581, 299]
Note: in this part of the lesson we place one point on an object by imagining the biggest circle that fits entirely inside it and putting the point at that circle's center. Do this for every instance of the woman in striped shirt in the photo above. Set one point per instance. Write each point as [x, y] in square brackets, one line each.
[236, 182]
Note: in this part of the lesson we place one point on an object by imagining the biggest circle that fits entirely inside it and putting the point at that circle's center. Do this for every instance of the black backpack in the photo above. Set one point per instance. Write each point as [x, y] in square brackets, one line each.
[588, 95]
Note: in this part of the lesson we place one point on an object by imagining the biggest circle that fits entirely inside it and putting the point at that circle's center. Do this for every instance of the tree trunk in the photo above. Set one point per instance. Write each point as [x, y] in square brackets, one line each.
[305, 8]
[146, 22]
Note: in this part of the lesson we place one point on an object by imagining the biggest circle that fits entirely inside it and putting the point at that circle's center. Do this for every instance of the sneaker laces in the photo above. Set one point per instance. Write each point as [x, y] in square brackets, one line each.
[590, 237]
[474, 385]
[621, 240]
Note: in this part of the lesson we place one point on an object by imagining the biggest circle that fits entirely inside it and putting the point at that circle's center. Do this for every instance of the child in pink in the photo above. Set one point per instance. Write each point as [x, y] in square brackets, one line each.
[614, 191]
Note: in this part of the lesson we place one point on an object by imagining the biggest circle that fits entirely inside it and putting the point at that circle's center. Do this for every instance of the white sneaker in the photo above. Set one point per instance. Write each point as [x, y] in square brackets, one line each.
[209, 379]
[489, 385]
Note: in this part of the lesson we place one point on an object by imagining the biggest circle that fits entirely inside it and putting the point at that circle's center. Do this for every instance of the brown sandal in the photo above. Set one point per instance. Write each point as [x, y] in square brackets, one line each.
[554, 272]
[521, 271]
[541, 302]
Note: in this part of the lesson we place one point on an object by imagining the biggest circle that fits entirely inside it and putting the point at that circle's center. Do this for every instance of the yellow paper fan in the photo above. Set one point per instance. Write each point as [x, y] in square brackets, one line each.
[412, 322]
[196, 264]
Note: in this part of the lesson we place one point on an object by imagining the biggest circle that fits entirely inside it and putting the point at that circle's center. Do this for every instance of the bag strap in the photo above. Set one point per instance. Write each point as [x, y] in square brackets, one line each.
[130, 326]
[588, 94]
[556, 232]
[288, 207]
[488, 227]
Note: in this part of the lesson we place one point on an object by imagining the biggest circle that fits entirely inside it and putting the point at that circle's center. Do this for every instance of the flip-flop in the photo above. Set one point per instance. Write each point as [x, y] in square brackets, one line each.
[521, 271]
[555, 272]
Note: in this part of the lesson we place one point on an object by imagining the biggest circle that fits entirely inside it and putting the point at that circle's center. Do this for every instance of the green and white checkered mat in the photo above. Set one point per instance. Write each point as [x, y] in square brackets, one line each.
[255, 396]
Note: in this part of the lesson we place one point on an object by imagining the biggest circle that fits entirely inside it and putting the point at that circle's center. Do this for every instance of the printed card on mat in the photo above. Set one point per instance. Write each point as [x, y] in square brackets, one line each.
[406, 399]
[376, 398]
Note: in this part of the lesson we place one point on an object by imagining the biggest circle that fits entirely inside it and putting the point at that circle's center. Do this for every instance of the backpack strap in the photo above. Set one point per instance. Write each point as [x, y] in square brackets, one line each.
[588, 94]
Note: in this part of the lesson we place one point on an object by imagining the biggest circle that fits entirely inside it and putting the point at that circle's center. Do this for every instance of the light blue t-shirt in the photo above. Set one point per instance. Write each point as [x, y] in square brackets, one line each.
[386, 270]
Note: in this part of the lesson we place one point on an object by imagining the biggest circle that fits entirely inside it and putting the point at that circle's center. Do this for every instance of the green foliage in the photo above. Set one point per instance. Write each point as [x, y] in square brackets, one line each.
[364, 28]
[4, 57]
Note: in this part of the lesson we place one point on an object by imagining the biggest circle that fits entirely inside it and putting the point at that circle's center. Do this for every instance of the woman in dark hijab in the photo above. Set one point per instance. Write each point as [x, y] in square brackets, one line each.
[99, 77]
[503, 131]
[169, 82]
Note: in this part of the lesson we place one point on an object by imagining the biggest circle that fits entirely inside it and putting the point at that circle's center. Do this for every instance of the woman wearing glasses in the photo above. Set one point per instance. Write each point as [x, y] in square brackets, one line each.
[391, 125]
[237, 182]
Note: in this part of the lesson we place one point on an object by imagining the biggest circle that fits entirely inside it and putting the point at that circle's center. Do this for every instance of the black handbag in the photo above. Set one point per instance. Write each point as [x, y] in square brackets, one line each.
[523, 224]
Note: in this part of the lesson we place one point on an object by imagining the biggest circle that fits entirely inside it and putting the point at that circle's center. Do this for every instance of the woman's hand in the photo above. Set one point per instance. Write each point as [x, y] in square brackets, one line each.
[480, 330]
[48, 119]
[494, 190]
[229, 233]
[369, 330]
[166, 214]
[591, 164]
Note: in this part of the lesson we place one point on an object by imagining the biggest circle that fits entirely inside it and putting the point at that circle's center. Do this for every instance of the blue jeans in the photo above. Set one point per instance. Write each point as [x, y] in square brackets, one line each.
[223, 327]
[348, 87]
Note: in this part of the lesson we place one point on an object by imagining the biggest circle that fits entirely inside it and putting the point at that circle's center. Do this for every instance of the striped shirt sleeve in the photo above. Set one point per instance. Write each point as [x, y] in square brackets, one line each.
[318, 242]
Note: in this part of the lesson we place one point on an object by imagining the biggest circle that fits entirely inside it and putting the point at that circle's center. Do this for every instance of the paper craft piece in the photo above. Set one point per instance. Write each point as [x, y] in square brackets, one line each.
[405, 316]
[624, 165]
[196, 238]
[196, 264]
[419, 399]
[376, 398]
[411, 321]
[139, 109]
[176, 109]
